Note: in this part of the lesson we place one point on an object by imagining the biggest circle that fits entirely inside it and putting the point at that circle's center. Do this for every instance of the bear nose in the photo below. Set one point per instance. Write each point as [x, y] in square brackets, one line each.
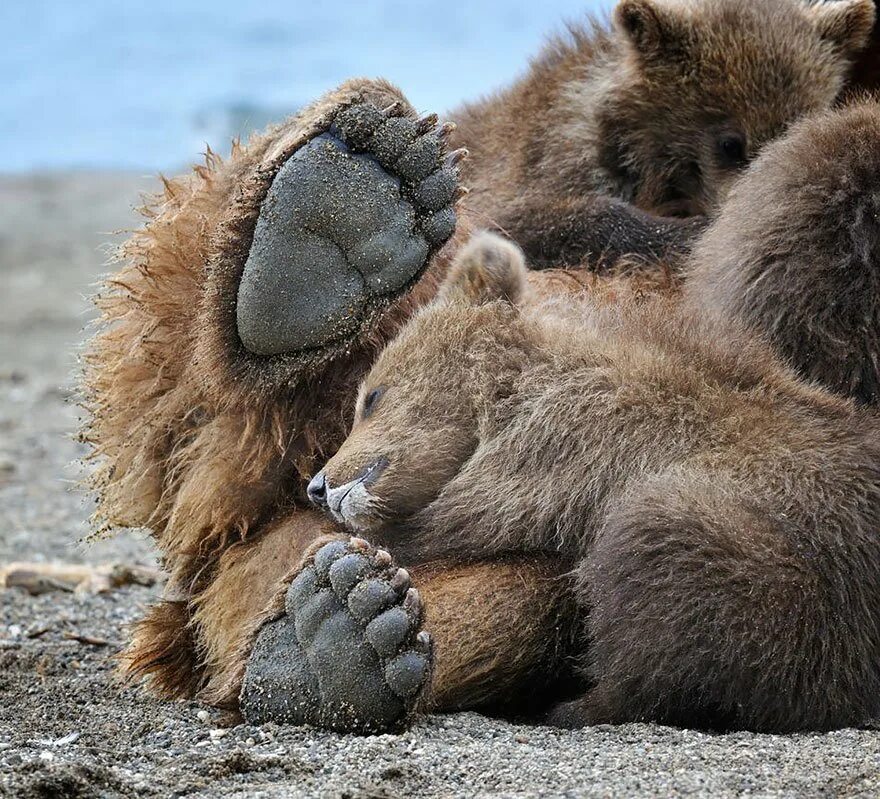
[317, 490]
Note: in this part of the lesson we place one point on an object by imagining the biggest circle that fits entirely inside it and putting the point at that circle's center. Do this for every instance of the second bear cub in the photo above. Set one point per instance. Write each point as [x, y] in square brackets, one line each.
[659, 112]
[722, 516]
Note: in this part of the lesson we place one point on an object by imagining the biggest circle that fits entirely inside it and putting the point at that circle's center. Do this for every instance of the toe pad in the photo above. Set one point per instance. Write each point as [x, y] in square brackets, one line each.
[348, 654]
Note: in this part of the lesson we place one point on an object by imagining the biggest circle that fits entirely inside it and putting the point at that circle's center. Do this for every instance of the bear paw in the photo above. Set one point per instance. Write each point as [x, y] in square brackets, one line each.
[349, 223]
[349, 653]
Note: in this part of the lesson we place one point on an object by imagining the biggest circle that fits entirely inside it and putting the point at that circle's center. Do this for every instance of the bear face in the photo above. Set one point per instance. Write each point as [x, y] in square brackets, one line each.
[414, 427]
[699, 88]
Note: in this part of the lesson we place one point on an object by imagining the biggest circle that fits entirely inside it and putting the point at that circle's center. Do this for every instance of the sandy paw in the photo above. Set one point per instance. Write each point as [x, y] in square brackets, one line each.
[349, 223]
[349, 653]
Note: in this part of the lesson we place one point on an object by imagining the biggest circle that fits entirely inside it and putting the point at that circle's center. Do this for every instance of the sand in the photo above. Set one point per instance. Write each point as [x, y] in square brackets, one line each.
[69, 729]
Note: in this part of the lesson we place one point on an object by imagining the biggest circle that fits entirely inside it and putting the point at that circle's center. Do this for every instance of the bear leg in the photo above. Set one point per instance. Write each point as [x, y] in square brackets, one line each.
[511, 658]
[711, 607]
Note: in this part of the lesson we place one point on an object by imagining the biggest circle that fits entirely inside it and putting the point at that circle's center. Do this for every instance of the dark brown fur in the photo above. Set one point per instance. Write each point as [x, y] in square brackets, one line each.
[865, 75]
[609, 124]
[722, 515]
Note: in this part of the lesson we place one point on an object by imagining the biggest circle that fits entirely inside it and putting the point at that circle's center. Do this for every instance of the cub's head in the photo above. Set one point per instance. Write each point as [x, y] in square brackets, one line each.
[418, 413]
[703, 85]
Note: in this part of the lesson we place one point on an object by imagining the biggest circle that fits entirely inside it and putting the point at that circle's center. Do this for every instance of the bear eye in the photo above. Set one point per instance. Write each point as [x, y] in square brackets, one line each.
[732, 150]
[370, 401]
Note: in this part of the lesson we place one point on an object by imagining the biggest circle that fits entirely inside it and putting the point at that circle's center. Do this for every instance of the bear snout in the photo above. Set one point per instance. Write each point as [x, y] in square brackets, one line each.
[317, 490]
[351, 503]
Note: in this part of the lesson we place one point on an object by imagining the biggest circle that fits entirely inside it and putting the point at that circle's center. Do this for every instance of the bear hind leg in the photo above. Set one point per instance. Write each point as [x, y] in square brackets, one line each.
[708, 609]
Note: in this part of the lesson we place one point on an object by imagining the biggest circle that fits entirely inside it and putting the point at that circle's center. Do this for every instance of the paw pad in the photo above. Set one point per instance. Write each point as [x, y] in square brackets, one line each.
[349, 223]
[349, 653]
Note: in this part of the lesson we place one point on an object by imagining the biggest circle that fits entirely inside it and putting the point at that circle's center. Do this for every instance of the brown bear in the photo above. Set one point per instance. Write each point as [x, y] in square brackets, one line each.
[659, 114]
[261, 288]
[722, 515]
[814, 293]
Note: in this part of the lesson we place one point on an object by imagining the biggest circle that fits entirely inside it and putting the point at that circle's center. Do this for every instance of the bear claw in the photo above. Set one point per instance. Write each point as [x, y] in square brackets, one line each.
[349, 654]
[350, 221]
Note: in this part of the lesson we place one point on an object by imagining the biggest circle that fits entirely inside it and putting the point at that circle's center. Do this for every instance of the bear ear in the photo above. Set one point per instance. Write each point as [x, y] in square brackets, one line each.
[488, 268]
[651, 27]
[847, 24]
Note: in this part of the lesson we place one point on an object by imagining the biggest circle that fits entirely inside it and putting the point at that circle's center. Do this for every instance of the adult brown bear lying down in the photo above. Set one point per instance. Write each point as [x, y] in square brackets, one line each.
[209, 433]
[721, 516]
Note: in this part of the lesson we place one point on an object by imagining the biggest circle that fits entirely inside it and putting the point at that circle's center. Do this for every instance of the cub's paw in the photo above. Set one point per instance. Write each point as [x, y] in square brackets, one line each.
[350, 222]
[349, 654]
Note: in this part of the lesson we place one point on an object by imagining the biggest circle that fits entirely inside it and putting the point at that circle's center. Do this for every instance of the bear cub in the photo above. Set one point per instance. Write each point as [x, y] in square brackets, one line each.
[720, 514]
[656, 114]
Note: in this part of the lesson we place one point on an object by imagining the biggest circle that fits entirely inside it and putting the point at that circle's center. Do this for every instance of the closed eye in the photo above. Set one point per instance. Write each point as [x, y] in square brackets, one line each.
[370, 401]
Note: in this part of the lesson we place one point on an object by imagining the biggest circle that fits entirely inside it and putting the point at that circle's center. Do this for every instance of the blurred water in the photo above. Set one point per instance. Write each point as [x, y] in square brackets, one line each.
[144, 85]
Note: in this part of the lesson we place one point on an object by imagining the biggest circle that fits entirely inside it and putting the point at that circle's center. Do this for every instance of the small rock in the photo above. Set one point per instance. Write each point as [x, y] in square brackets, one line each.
[203, 716]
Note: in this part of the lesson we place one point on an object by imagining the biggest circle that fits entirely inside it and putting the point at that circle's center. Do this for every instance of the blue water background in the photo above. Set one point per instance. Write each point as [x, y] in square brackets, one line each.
[145, 85]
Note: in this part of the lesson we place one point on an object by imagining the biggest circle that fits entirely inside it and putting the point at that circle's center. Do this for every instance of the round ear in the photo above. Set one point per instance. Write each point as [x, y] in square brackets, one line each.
[650, 26]
[487, 268]
[847, 24]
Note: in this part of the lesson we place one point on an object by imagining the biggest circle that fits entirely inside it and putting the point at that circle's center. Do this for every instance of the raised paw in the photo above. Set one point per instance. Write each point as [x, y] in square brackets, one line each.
[349, 223]
[348, 654]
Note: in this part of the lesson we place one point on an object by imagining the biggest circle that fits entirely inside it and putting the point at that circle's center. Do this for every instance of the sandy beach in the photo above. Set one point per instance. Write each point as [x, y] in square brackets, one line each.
[69, 729]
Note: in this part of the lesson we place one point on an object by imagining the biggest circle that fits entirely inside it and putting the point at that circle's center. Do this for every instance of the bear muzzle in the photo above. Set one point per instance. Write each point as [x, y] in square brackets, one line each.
[351, 503]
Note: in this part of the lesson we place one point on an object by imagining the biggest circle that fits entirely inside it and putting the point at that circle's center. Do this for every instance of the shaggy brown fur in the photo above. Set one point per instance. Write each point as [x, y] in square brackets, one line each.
[197, 439]
[795, 253]
[207, 468]
[661, 112]
[206, 444]
[722, 514]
